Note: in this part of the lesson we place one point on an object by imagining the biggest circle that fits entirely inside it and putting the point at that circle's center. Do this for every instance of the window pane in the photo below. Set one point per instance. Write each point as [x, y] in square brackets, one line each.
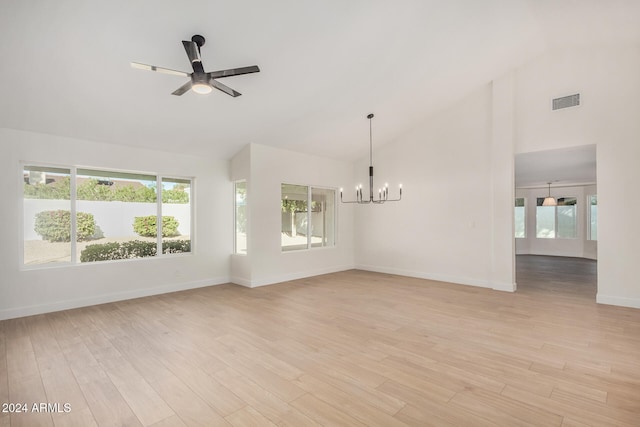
[241, 217]
[322, 217]
[593, 218]
[124, 209]
[176, 215]
[567, 222]
[566, 211]
[545, 220]
[519, 220]
[47, 215]
[294, 216]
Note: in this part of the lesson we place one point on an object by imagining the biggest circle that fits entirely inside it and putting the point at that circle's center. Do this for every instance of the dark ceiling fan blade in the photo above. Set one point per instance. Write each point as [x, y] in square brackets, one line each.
[159, 69]
[182, 89]
[193, 52]
[224, 88]
[234, 72]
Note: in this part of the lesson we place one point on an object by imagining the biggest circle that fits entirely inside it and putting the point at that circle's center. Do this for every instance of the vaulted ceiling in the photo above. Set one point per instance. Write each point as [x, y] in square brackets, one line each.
[324, 65]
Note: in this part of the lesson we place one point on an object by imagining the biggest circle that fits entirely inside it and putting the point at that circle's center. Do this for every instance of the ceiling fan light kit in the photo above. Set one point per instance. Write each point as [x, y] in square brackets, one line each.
[201, 82]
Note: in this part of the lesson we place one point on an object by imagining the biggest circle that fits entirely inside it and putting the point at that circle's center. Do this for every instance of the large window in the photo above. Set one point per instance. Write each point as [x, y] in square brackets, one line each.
[593, 217]
[308, 217]
[86, 215]
[556, 222]
[519, 218]
[240, 203]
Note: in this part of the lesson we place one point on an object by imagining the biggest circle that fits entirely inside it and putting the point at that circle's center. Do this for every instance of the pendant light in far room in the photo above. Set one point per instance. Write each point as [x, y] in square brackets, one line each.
[549, 201]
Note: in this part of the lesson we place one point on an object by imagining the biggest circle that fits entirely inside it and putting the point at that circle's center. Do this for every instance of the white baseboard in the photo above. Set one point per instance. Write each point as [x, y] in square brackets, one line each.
[506, 287]
[31, 310]
[241, 281]
[619, 301]
[255, 283]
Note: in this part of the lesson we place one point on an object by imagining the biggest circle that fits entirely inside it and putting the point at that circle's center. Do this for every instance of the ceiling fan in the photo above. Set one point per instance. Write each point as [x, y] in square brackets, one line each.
[200, 81]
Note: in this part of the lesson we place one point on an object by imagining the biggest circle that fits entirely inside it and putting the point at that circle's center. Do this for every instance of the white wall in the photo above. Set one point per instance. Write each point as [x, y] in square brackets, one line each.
[608, 79]
[29, 291]
[268, 169]
[443, 228]
[579, 247]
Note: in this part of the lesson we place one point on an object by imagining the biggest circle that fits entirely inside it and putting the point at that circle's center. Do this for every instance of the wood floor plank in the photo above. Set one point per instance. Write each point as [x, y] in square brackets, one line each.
[271, 406]
[502, 410]
[28, 390]
[270, 381]
[219, 397]
[187, 405]
[324, 413]
[422, 409]
[348, 348]
[143, 400]
[107, 404]
[360, 410]
[248, 417]
[77, 417]
[103, 398]
[574, 409]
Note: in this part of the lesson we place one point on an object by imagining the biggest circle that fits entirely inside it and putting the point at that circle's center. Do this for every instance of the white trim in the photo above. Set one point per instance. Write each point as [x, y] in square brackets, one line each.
[241, 281]
[619, 301]
[288, 277]
[13, 313]
[506, 287]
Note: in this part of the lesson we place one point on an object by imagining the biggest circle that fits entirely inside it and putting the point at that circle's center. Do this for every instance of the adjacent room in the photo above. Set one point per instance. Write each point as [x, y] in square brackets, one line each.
[320, 213]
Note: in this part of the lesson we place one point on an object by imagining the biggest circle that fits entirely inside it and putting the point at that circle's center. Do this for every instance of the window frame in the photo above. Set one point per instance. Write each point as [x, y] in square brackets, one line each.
[73, 170]
[309, 246]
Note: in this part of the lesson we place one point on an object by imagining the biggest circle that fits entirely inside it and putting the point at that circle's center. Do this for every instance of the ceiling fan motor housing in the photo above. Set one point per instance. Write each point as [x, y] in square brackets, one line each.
[198, 39]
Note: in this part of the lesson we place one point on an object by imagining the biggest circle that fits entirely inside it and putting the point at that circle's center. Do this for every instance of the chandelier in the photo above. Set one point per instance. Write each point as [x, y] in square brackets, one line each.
[383, 192]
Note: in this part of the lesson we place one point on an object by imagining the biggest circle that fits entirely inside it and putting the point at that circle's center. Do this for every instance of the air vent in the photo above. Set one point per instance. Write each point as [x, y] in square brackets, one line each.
[566, 102]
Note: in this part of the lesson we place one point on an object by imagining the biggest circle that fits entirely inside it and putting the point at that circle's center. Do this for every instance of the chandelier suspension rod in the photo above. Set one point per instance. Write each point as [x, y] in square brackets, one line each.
[370, 116]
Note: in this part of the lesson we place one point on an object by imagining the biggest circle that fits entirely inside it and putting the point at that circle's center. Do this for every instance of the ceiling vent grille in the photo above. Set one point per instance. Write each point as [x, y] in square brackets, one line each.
[566, 102]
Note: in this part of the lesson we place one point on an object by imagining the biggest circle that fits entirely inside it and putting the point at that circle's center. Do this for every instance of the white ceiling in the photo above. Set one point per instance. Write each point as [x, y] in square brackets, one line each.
[324, 65]
[562, 167]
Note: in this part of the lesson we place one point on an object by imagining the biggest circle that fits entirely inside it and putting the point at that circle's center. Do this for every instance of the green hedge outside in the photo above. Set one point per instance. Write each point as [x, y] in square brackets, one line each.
[55, 226]
[146, 226]
[131, 249]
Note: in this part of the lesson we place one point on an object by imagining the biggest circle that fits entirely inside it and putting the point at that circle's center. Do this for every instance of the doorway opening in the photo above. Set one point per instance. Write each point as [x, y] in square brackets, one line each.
[556, 219]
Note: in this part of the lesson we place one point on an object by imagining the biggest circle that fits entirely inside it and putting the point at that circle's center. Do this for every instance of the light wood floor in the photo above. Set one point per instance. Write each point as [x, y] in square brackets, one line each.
[352, 348]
